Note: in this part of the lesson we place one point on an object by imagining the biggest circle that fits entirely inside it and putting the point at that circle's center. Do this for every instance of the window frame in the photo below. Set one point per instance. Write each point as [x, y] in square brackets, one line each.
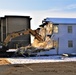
[70, 29]
[70, 43]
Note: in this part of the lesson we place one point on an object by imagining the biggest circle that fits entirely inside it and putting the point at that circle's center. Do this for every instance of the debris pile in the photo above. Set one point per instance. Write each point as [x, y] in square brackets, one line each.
[46, 34]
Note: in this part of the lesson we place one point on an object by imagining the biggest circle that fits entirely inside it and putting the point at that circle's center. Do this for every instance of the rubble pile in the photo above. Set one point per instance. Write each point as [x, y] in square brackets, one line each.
[46, 32]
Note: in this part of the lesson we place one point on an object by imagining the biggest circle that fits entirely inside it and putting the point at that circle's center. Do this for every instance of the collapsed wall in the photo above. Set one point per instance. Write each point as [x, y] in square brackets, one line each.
[46, 32]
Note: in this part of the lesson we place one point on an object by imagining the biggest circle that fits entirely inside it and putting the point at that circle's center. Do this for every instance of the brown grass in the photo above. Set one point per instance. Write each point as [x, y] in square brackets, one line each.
[3, 61]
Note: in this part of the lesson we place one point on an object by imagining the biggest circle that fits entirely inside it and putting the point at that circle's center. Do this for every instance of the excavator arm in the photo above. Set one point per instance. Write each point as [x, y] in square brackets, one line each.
[35, 34]
[16, 34]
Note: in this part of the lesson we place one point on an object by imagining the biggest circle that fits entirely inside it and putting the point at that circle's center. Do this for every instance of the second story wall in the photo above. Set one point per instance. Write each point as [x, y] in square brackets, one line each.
[66, 37]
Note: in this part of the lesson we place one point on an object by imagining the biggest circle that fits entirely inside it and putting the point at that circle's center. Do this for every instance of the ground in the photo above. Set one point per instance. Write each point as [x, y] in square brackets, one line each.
[3, 61]
[52, 68]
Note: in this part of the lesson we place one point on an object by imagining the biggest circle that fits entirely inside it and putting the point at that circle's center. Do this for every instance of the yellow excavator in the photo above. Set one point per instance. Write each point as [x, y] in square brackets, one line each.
[23, 32]
[4, 46]
[19, 33]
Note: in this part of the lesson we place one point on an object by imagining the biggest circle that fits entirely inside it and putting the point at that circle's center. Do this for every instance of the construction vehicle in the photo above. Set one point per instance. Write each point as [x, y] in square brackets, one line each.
[43, 43]
[4, 45]
[22, 32]
[41, 40]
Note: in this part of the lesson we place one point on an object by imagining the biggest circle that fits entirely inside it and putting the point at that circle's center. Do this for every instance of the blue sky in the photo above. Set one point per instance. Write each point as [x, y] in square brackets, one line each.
[28, 5]
[38, 9]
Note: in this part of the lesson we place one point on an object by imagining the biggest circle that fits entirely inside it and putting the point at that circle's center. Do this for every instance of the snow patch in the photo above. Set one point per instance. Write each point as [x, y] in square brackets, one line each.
[40, 59]
[12, 50]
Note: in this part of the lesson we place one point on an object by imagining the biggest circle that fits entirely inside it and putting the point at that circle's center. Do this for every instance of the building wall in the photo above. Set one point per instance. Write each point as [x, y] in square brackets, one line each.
[17, 24]
[63, 37]
[11, 24]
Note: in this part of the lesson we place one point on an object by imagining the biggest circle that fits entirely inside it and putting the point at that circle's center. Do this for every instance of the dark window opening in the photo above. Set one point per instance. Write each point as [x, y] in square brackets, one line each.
[70, 43]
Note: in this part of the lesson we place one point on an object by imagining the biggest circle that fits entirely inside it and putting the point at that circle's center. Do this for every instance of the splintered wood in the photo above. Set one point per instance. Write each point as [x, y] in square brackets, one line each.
[3, 61]
[46, 33]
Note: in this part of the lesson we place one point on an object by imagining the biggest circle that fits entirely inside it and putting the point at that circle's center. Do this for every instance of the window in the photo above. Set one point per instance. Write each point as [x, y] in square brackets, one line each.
[70, 43]
[55, 29]
[69, 29]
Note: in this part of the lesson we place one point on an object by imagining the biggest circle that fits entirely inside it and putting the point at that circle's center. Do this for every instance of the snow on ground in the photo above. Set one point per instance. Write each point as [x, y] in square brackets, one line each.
[40, 59]
[12, 50]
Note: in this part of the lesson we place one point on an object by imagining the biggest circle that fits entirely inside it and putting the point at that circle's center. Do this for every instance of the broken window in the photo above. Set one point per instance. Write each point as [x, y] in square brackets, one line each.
[70, 43]
[55, 29]
[49, 28]
[69, 29]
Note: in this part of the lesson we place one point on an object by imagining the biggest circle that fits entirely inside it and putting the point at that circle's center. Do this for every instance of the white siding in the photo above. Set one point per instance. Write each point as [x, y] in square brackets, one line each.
[64, 36]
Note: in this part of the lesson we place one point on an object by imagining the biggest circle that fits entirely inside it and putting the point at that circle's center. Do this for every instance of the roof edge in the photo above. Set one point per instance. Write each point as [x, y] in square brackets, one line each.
[16, 16]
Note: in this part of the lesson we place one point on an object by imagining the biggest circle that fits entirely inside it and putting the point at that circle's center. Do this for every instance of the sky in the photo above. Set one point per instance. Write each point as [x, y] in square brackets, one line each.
[38, 9]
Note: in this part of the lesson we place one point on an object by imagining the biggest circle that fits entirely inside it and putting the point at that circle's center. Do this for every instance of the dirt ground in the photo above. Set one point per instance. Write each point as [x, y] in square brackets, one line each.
[3, 61]
[68, 68]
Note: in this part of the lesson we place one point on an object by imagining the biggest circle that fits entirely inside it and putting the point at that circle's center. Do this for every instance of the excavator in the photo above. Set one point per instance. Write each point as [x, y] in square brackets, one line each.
[4, 45]
[42, 40]
[22, 32]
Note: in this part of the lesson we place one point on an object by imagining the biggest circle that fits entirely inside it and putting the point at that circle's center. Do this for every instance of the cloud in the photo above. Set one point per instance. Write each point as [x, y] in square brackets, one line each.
[66, 8]
[72, 6]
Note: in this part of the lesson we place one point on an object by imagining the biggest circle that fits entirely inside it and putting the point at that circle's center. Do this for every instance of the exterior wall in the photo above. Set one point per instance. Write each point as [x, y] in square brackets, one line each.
[11, 24]
[17, 24]
[63, 37]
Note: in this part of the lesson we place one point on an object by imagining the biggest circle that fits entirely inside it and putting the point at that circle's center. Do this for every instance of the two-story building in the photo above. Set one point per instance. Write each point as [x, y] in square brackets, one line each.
[65, 34]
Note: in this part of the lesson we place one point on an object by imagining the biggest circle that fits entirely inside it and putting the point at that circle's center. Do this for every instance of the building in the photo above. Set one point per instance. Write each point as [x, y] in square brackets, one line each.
[9, 24]
[65, 35]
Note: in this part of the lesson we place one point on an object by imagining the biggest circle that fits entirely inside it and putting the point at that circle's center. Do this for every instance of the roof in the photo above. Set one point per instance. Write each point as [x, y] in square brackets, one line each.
[18, 16]
[61, 20]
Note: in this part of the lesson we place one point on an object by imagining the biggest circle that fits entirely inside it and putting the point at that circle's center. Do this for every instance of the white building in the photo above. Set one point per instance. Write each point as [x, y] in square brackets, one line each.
[66, 35]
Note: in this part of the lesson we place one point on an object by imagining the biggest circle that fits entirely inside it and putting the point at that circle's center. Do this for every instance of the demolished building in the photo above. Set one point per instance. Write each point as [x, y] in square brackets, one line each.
[64, 33]
[46, 42]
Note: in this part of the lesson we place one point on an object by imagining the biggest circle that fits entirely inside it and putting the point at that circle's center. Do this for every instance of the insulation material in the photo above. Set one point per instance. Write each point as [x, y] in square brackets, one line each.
[55, 29]
[49, 29]
[42, 32]
[39, 44]
[48, 42]
[55, 43]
